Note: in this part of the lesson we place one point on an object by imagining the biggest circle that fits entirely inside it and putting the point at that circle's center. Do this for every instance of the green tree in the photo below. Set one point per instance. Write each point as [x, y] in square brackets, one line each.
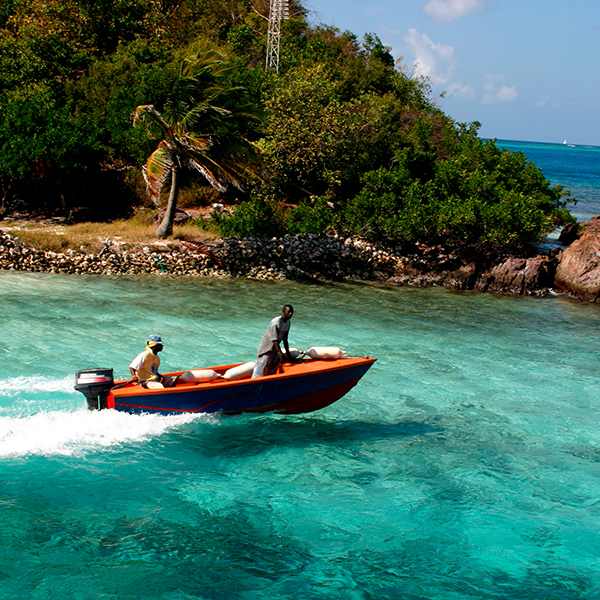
[317, 143]
[202, 127]
[42, 147]
[41, 41]
[477, 195]
[307, 135]
[106, 96]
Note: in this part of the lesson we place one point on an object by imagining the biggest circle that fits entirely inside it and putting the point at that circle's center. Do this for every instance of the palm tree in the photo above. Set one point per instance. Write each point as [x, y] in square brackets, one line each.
[201, 128]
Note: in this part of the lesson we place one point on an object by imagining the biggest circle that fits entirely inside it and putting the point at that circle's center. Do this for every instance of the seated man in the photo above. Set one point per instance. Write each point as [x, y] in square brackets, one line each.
[269, 353]
[144, 367]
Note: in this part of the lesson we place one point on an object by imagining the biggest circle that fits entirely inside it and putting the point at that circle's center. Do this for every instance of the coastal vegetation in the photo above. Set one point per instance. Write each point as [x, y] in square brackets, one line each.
[344, 139]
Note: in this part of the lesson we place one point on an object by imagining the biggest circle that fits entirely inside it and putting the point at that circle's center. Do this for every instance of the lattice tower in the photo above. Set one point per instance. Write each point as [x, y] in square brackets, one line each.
[278, 11]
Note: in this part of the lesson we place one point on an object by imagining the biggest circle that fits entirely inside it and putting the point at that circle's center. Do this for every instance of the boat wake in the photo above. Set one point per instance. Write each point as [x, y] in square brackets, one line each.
[42, 416]
[18, 385]
[63, 433]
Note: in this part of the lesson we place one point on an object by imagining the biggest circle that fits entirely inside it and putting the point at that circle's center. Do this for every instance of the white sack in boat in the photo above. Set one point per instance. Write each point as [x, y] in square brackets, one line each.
[294, 352]
[198, 376]
[240, 372]
[155, 385]
[327, 352]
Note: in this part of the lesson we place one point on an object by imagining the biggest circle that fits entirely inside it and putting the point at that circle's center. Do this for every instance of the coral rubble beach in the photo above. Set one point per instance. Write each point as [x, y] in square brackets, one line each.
[332, 258]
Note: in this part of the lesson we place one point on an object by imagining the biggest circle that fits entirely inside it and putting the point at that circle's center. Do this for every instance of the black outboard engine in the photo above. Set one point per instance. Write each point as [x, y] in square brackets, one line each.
[94, 384]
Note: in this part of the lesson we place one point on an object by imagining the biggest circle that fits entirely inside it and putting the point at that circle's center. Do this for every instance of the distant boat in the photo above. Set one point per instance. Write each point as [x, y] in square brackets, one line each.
[565, 142]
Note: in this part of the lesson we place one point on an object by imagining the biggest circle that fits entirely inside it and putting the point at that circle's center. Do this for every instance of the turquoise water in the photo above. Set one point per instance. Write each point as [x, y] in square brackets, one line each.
[466, 464]
[576, 168]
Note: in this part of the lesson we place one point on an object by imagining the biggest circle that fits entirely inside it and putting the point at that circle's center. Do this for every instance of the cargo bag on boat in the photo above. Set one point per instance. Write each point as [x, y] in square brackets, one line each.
[325, 352]
[198, 376]
[240, 372]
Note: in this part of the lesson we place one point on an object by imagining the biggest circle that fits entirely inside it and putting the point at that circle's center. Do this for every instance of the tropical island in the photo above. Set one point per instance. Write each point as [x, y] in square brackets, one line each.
[157, 138]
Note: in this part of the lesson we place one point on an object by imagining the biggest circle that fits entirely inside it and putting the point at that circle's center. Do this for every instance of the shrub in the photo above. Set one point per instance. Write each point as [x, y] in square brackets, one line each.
[259, 217]
[317, 217]
[481, 195]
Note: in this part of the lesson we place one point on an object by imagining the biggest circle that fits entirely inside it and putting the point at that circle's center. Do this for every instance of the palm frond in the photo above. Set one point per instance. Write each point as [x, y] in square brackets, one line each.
[195, 115]
[157, 170]
[203, 166]
[198, 143]
[147, 116]
[203, 127]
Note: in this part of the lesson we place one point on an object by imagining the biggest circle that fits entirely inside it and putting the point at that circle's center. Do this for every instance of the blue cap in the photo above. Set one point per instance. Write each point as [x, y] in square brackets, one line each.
[155, 338]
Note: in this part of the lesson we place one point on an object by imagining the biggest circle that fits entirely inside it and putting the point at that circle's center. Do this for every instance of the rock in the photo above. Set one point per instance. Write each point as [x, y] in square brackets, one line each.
[415, 278]
[180, 216]
[578, 271]
[314, 258]
[461, 279]
[569, 234]
[519, 276]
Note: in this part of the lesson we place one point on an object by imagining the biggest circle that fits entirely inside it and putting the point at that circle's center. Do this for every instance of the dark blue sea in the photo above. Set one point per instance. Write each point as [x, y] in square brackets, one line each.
[465, 465]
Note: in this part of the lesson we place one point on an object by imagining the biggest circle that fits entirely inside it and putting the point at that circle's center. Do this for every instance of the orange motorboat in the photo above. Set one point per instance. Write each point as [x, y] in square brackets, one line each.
[299, 387]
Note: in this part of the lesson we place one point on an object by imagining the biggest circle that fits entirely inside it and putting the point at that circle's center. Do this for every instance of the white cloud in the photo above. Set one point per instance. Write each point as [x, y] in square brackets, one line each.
[542, 101]
[435, 61]
[495, 91]
[507, 94]
[448, 10]
[464, 92]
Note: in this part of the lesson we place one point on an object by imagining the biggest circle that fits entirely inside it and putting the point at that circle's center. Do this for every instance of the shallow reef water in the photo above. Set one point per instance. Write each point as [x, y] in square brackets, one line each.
[465, 464]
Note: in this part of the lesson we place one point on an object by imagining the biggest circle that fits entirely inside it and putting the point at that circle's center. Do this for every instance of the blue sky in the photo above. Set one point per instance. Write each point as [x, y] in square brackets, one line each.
[525, 69]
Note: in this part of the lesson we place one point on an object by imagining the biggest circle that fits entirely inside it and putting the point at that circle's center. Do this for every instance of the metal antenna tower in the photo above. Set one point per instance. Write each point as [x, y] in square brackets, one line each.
[278, 11]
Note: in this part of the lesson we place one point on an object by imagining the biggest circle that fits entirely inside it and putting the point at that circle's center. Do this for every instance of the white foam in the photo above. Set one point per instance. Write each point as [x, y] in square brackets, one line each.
[76, 433]
[36, 384]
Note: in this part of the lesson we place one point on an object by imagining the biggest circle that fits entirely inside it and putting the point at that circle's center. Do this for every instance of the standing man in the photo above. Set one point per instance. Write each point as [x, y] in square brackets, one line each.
[269, 353]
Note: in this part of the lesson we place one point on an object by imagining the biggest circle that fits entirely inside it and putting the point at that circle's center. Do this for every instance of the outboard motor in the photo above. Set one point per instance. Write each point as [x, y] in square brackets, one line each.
[94, 384]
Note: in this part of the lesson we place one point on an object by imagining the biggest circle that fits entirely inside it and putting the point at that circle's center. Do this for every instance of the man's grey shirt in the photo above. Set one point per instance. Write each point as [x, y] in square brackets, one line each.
[276, 332]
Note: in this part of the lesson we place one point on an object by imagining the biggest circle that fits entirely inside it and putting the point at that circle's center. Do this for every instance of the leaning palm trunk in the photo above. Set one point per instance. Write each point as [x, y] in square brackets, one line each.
[165, 229]
[198, 133]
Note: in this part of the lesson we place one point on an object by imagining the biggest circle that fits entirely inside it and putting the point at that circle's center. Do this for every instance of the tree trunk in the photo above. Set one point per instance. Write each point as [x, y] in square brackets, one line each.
[5, 200]
[165, 228]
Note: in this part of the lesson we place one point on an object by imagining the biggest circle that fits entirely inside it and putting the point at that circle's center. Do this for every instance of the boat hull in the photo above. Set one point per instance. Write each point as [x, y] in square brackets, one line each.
[302, 387]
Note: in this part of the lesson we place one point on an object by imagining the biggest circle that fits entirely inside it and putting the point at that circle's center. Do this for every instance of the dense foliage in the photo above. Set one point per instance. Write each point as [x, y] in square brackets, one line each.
[349, 142]
[479, 194]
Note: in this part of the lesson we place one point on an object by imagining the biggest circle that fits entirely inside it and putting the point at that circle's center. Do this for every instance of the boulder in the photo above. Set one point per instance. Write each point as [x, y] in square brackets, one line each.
[569, 234]
[519, 276]
[578, 271]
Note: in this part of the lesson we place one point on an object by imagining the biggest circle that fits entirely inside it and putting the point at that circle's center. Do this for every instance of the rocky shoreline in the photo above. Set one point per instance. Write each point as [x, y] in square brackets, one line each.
[574, 270]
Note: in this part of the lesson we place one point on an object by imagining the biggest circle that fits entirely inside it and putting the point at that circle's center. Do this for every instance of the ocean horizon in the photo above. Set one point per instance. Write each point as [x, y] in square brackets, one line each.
[508, 143]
